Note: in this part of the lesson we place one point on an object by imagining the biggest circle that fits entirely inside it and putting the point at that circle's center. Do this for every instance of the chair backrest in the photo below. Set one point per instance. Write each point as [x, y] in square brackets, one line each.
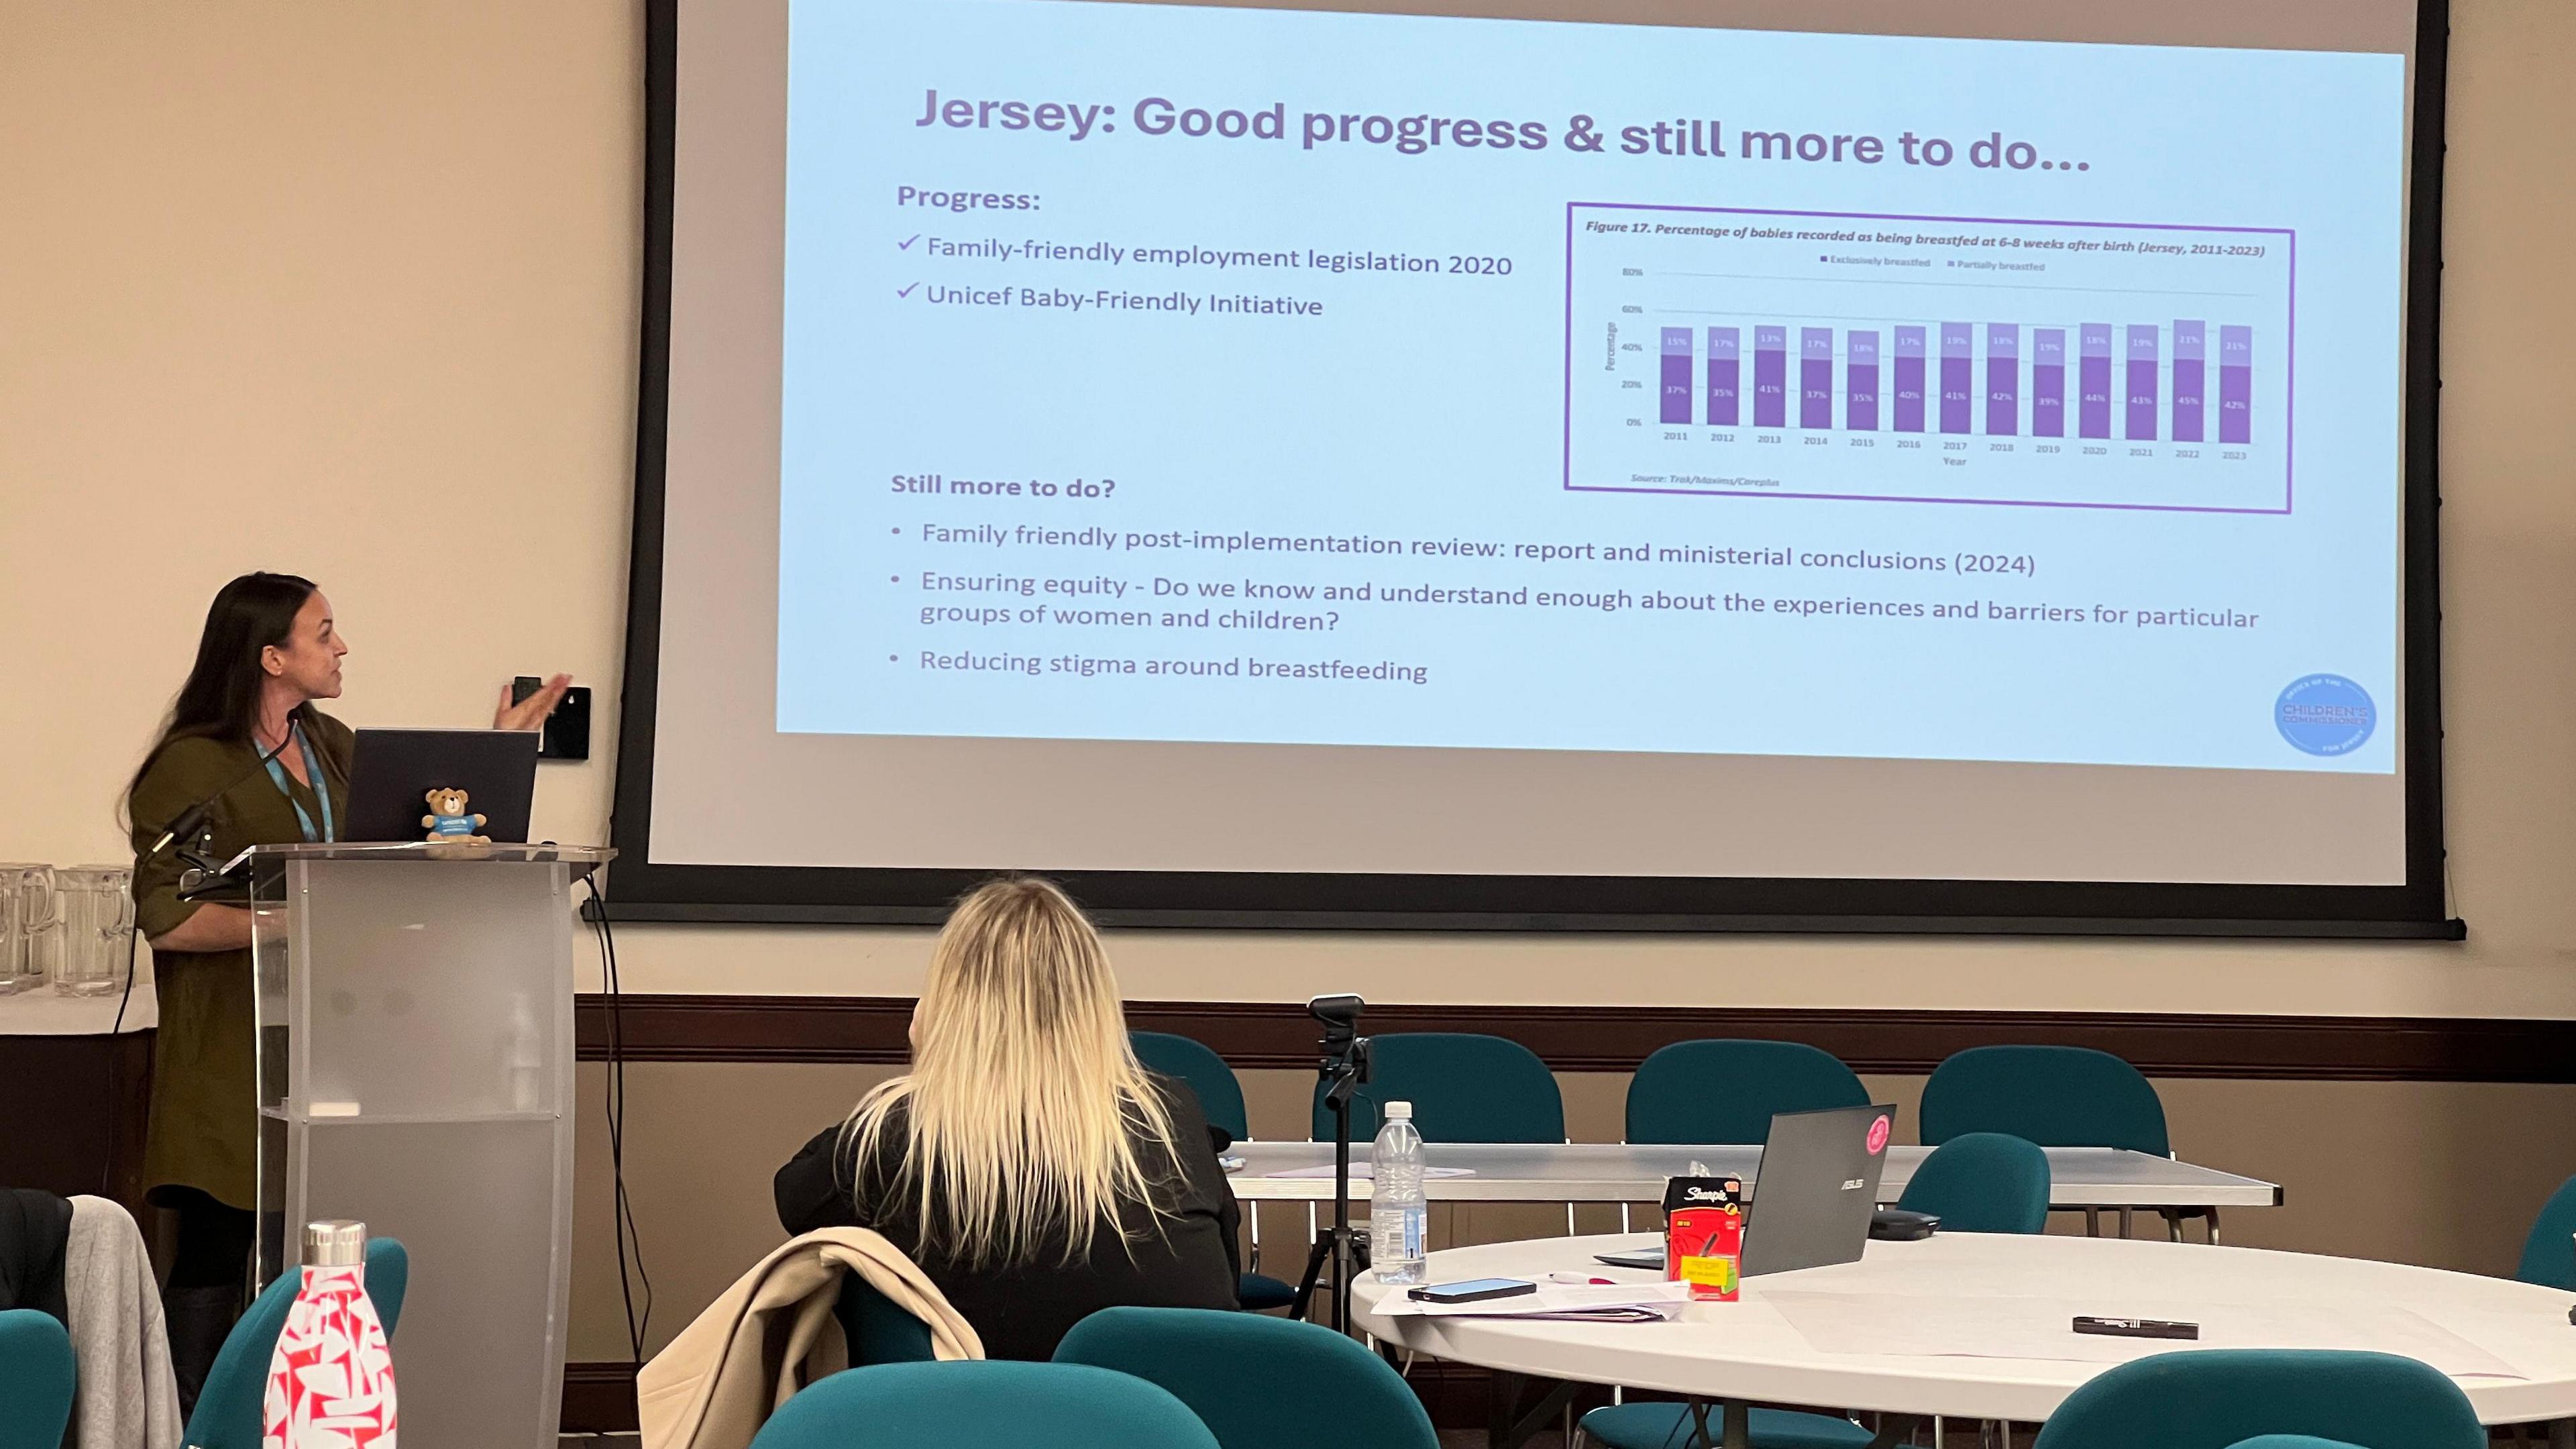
[227, 1415]
[2052, 1095]
[1982, 1182]
[2549, 1253]
[1728, 1090]
[36, 1380]
[978, 1403]
[1463, 1087]
[1258, 1383]
[1220, 1095]
[2215, 1398]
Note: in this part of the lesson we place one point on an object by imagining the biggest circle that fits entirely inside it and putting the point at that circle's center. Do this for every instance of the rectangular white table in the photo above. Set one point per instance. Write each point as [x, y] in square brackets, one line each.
[2079, 1177]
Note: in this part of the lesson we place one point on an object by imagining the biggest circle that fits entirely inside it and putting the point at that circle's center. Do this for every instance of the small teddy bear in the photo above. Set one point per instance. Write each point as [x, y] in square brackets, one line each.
[448, 821]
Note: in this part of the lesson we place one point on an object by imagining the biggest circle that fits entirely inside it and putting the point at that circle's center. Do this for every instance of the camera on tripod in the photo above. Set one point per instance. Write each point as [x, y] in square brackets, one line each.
[1344, 1050]
[1343, 1062]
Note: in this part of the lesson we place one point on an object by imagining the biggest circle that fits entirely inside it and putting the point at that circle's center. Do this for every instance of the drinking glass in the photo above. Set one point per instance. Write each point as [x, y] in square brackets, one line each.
[26, 911]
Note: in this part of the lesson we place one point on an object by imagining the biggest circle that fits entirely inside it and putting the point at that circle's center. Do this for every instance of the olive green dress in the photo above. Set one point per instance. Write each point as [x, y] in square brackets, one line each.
[204, 1131]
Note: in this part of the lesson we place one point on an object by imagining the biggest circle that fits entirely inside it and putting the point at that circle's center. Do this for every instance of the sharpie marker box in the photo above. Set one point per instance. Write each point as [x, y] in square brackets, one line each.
[1704, 1235]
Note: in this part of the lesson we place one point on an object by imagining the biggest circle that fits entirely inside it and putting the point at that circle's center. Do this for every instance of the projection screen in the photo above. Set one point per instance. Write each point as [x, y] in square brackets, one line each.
[1665, 464]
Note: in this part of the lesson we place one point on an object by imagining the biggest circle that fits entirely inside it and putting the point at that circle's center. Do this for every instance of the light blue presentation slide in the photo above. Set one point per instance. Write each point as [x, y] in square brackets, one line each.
[1170, 373]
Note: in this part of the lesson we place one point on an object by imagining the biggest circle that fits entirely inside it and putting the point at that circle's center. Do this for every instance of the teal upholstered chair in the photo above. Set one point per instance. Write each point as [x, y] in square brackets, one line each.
[1982, 1182]
[875, 1329]
[1729, 1090]
[2216, 1398]
[1221, 1102]
[979, 1403]
[1464, 1088]
[36, 1380]
[227, 1415]
[1220, 1095]
[1258, 1383]
[2549, 1253]
[2056, 1096]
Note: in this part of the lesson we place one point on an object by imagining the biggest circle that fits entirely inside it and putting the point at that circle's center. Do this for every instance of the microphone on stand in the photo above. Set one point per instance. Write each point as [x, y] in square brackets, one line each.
[190, 820]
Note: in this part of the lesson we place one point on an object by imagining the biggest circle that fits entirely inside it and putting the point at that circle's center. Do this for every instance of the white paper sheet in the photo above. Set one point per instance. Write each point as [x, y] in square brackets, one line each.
[2041, 1328]
[1660, 1300]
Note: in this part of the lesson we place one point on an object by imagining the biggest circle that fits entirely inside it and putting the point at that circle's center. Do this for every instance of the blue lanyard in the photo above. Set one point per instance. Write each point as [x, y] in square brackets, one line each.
[321, 786]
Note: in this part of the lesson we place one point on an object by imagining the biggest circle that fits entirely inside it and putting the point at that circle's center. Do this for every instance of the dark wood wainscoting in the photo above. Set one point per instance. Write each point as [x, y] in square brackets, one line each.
[1616, 1038]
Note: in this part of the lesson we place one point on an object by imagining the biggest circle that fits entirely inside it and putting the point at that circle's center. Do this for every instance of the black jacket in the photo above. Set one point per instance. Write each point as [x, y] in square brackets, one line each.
[1184, 1260]
[35, 1227]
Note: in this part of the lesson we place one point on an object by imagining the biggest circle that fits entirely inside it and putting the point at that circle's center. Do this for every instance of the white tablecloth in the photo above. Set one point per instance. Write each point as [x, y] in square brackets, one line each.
[43, 1012]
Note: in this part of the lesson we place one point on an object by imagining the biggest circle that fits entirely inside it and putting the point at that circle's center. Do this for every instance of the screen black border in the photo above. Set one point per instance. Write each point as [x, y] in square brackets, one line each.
[645, 891]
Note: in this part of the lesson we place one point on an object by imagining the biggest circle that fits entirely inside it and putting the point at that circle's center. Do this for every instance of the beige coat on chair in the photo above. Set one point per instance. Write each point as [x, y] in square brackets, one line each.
[773, 1333]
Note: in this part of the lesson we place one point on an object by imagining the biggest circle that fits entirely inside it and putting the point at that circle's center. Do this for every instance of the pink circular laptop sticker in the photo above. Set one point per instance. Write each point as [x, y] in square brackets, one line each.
[1877, 1135]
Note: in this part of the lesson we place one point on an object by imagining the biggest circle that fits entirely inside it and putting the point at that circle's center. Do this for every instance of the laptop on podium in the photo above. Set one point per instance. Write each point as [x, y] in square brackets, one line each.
[393, 772]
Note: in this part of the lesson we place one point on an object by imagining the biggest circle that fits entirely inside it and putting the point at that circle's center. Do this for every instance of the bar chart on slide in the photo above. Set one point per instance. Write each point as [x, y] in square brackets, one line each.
[1928, 359]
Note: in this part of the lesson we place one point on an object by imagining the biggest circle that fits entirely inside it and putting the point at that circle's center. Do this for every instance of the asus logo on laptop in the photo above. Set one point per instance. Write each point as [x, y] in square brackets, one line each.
[1851, 1184]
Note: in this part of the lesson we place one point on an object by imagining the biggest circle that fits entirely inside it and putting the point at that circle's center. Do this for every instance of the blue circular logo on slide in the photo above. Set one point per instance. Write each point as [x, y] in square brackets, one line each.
[2325, 714]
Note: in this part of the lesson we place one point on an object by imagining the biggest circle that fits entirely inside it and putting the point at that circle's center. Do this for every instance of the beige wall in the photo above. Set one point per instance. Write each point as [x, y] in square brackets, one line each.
[350, 289]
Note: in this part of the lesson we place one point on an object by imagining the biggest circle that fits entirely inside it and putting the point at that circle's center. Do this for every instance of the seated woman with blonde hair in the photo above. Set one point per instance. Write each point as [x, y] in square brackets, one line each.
[1031, 1167]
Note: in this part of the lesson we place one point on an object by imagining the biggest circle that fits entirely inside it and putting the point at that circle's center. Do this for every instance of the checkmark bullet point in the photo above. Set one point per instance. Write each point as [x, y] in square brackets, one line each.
[906, 291]
[905, 245]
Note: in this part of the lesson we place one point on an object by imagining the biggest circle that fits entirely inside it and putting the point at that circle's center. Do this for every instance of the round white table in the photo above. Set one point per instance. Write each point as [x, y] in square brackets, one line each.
[1977, 1326]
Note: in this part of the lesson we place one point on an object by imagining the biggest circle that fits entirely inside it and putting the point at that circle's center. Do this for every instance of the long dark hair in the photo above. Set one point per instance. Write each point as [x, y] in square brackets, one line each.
[220, 701]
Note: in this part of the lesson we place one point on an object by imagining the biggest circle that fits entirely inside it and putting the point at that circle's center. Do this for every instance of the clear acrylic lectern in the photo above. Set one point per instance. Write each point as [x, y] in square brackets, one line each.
[415, 1072]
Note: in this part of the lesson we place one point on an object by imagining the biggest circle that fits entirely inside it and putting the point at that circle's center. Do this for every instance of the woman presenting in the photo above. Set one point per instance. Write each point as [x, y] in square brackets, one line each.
[270, 649]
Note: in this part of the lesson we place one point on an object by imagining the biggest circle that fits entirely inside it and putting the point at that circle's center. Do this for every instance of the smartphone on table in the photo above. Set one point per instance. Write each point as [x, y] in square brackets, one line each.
[1474, 1290]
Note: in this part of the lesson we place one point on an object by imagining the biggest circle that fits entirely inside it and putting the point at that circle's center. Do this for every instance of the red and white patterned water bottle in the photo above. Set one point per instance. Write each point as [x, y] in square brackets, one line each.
[331, 1381]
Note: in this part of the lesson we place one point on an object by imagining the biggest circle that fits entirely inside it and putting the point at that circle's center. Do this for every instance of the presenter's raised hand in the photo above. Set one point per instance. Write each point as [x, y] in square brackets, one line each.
[530, 713]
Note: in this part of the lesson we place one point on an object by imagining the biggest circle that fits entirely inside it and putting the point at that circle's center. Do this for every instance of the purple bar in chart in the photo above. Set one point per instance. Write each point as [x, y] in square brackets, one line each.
[2142, 382]
[1909, 379]
[2048, 382]
[2003, 379]
[2190, 376]
[1860, 390]
[2236, 384]
[1815, 377]
[2093, 382]
[1958, 369]
[1770, 377]
[1725, 346]
[1677, 375]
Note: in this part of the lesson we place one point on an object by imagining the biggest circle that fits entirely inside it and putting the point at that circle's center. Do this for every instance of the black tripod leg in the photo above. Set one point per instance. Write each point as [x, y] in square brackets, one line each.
[1300, 1307]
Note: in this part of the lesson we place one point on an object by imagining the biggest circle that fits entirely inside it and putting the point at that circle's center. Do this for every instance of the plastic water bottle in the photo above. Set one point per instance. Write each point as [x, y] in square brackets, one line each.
[1395, 1198]
[331, 1378]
